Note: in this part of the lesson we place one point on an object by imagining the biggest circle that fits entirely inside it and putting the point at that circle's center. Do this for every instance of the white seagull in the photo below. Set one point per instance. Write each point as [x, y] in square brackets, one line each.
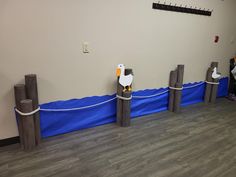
[124, 80]
[215, 75]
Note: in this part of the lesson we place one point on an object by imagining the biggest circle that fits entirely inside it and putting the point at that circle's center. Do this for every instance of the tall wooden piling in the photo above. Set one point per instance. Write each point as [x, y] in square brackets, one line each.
[211, 88]
[214, 64]
[214, 88]
[20, 94]
[180, 71]
[178, 95]
[123, 106]
[119, 107]
[214, 91]
[32, 93]
[26, 106]
[179, 85]
[208, 86]
[126, 109]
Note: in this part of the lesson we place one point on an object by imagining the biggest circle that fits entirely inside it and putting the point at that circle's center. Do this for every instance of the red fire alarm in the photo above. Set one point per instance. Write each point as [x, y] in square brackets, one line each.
[217, 39]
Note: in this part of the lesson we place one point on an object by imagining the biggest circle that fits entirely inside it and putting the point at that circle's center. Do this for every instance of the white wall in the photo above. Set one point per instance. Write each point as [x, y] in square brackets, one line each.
[45, 37]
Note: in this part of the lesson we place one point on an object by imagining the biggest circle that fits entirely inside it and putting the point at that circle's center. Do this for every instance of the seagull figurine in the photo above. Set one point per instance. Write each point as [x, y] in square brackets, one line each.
[215, 74]
[124, 80]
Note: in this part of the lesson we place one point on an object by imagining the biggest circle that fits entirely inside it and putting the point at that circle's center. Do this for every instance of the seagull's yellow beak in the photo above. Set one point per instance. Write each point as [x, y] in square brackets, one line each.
[118, 71]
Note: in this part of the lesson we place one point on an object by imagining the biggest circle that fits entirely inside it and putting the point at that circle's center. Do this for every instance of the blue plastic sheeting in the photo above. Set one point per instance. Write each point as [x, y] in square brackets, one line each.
[223, 87]
[145, 106]
[57, 122]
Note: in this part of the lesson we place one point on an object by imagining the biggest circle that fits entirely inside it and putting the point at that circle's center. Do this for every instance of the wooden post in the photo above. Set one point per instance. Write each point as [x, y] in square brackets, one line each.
[119, 108]
[32, 93]
[179, 84]
[172, 82]
[208, 86]
[126, 110]
[123, 106]
[178, 95]
[126, 103]
[214, 91]
[211, 89]
[128, 71]
[214, 64]
[20, 94]
[214, 88]
[26, 106]
[180, 71]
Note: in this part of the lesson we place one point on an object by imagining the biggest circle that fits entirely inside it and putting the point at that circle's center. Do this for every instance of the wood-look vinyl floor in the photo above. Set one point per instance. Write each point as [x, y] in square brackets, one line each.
[199, 142]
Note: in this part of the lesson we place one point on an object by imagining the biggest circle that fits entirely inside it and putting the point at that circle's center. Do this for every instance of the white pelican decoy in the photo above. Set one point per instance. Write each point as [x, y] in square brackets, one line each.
[215, 75]
[124, 80]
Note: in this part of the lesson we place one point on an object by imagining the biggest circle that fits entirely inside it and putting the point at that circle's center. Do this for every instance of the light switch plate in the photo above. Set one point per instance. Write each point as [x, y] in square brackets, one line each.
[85, 47]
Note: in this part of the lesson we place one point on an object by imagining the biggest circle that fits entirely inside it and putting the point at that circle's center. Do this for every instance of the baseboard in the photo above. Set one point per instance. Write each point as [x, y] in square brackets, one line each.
[9, 141]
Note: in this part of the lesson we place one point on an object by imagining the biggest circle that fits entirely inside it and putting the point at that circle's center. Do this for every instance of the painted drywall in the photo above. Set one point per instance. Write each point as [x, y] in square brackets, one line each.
[45, 37]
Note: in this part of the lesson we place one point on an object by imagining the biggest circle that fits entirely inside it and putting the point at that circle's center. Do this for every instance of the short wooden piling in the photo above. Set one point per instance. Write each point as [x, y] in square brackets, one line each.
[20, 94]
[172, 82]
[32, 93]
[26, 106]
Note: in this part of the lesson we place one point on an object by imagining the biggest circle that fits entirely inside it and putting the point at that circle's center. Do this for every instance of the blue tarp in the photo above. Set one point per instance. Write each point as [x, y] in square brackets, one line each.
[59, 122]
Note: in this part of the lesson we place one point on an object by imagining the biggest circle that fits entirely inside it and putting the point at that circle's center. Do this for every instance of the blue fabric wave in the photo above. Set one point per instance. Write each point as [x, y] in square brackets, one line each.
[55, 123]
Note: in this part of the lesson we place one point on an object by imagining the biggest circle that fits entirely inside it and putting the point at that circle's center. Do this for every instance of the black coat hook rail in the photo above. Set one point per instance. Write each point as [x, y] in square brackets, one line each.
[181, 9]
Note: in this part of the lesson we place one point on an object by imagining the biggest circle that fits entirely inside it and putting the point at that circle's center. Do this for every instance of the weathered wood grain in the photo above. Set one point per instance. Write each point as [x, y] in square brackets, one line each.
[28, 125]
[208, 89]
[172, 82]
[32, 93]
[20, 94]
